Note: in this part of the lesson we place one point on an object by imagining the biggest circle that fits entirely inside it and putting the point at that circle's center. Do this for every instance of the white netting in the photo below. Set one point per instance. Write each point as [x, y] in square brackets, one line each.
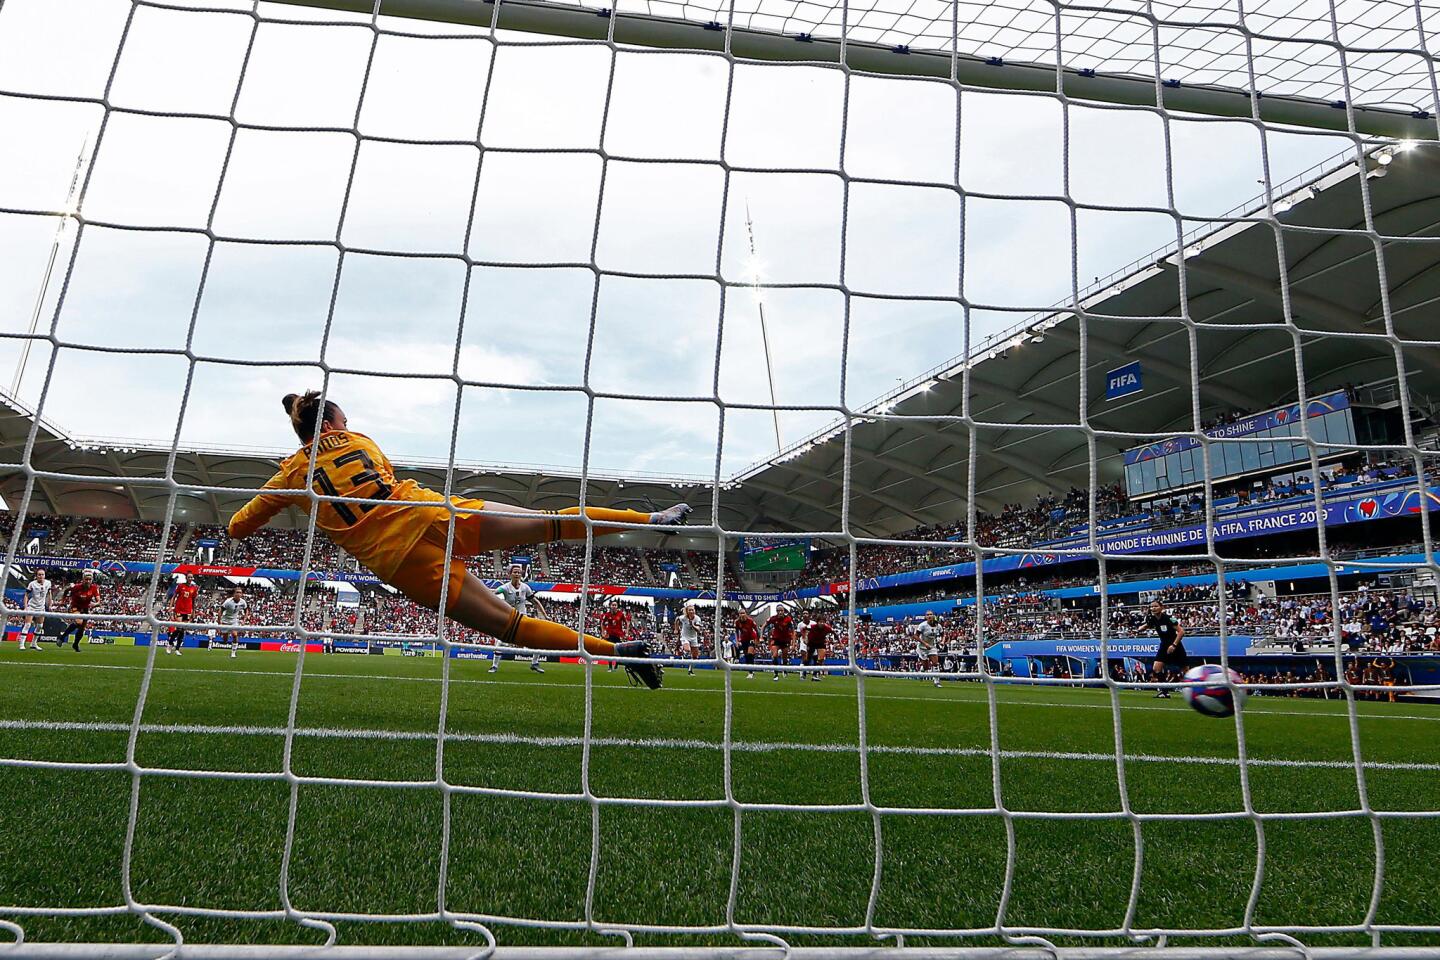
[1281, 47]
[1353, 53]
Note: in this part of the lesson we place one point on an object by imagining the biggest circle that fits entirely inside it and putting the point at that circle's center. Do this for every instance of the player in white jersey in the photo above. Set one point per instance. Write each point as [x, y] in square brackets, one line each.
[687, 628]
[927, 645]
[232, 614]
[802, 633]
[37, 601]
[519, 595]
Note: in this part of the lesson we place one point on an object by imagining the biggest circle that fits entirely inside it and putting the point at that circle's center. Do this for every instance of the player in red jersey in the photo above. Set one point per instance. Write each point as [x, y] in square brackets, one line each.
[81, 595]
[614, 624]
[817, 638]
[748, 636]
[782, 636]
[184, 600]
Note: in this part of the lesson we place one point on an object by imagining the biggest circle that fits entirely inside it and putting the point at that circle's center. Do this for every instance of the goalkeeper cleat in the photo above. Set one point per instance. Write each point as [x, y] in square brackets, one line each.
[672, 515]
[651, 675]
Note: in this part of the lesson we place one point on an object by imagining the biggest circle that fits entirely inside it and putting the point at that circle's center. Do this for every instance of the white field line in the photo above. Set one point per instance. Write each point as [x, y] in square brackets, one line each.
[784, 688]
[666, 743]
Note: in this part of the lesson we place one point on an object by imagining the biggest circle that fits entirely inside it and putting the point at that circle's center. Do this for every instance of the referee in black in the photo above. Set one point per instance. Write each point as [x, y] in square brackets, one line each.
[1171, 654]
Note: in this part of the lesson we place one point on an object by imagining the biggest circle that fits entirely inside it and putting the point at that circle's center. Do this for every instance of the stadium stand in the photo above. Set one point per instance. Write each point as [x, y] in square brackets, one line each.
[1016, 526]
[122, 539]
[664, 563]
[616, 565]
[1371, 619]
[1019, 604]
[273, 547]
[38, 535]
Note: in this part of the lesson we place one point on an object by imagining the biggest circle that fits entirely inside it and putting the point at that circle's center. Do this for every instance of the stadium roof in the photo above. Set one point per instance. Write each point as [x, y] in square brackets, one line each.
[911, 451]
[911, 458]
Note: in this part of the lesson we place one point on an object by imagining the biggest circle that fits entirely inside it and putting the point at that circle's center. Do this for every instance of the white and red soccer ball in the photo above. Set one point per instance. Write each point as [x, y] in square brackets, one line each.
[1208, 693]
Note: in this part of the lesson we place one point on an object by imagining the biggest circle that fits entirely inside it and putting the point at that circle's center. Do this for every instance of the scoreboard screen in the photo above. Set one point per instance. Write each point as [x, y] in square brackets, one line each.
[774, 556]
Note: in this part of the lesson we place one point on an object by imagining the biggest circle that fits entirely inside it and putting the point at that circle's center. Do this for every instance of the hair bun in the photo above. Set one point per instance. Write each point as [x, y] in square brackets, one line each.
[288, 402]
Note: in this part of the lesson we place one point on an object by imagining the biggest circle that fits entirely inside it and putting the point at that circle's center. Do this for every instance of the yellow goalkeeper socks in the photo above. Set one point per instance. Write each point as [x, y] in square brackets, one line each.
[561, 529]
[534, 634]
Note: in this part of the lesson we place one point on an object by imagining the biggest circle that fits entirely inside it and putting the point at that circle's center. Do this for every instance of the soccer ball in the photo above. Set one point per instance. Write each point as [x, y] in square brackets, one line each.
[1210, 696]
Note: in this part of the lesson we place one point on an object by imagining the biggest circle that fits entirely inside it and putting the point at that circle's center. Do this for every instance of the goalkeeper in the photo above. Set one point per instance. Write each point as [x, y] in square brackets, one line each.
[402, 537]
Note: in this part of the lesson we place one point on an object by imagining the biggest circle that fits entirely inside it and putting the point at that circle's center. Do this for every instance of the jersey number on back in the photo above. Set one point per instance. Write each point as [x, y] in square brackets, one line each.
[367, 475]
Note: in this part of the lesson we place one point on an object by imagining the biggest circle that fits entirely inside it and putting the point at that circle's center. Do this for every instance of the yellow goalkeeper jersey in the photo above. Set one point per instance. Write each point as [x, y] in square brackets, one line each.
[349, 464]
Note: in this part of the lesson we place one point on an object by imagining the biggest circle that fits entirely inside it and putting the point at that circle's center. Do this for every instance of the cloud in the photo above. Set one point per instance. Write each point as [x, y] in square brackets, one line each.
[530, 323]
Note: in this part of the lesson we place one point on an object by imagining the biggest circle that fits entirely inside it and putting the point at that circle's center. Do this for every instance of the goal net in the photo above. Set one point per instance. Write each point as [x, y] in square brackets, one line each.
[875, 286]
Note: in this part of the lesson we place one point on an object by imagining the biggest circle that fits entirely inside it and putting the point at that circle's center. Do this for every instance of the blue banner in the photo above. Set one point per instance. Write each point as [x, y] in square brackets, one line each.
[1240, 428]
[1123, 381]
[890, 613]
[1299, 571]
[1397, 501]
[1089, 649]
[957, 571]
[1295, 571]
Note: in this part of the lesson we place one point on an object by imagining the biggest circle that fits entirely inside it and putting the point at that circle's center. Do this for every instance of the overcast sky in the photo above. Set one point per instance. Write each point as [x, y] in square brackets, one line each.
[522, 325]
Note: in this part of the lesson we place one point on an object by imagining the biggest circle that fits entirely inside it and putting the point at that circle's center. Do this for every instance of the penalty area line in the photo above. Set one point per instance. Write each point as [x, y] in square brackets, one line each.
[667, 743]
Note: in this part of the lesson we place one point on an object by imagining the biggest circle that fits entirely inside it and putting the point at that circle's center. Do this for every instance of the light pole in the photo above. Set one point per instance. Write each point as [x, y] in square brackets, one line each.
[69, 211]
[764, 332]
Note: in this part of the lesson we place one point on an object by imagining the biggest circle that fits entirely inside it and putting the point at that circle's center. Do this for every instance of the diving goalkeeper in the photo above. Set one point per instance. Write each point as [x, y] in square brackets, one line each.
[402, 537]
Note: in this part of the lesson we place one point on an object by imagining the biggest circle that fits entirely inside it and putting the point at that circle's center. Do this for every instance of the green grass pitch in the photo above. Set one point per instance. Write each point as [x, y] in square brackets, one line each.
[213, 843]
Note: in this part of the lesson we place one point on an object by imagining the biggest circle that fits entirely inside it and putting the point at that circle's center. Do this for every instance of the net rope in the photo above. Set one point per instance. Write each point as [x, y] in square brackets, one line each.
[960, 29]
[1286, 47]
